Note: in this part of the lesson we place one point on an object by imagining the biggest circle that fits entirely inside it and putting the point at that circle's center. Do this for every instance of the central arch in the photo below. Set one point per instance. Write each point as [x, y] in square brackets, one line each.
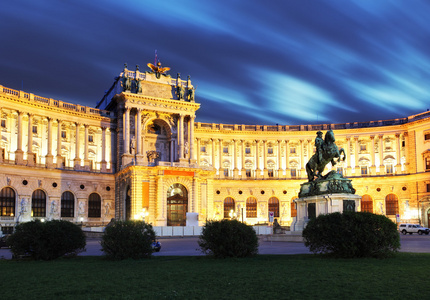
[177, 205]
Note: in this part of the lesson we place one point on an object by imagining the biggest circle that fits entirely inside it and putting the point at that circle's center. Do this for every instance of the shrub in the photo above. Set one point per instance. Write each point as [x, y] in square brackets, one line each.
[228, 238]
[46, 240]
[128, 239]
[352, 235]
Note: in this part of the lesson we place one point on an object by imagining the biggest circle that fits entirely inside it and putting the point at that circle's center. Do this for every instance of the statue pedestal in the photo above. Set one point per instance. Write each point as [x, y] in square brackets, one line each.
[313, 206]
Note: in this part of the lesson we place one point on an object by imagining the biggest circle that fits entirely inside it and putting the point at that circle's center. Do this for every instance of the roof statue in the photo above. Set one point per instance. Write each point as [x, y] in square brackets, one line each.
[158, 69]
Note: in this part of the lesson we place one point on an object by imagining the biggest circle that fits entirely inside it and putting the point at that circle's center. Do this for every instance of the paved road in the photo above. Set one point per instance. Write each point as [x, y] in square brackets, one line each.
[188, 246]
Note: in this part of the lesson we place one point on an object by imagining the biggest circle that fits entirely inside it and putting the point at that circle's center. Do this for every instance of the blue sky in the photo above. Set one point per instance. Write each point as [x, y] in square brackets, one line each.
[254, 62]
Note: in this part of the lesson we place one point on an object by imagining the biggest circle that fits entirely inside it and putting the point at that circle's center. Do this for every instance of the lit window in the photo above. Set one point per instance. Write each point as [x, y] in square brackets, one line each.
[251, 207]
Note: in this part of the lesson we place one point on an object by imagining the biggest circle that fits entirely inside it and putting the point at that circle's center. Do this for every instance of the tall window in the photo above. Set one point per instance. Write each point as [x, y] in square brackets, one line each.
[367, 203]
[228, 206]
[363, 170]
[392, 205]
[293, 150]
[274, 206]
[248, 173]
[225, 150]
[427, 136]
[67, 205]
[427, 163]
[248, 150]
[340, 170]
[38, 204]
[226, 172]
[293, 173]
[94, 206]
[203, 149]
[7, 202]
[251, 207]
[270, 172]
[293, 208]
[389, 169]
[270, 150]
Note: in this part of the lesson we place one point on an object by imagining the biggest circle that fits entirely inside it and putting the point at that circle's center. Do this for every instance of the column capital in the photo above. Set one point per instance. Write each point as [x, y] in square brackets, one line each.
[372, 137]
[103, 128]
[20, 113]
[397, 135]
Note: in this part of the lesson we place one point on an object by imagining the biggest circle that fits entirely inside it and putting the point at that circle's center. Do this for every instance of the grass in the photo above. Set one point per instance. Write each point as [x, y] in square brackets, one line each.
[262, 277]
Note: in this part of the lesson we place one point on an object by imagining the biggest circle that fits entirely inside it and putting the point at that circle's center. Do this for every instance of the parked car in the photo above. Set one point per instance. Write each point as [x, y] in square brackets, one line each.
[413, 228]
[3, 238]
[156, 246]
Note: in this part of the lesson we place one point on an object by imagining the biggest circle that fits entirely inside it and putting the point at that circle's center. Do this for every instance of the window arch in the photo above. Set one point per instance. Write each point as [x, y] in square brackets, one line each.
[274, 206]
[67, 205]
[94, 206]
[251, 207]
[7, 202]
[228, 206]
[293, 208]
[367, 203]
[38, 204]
[391, 205]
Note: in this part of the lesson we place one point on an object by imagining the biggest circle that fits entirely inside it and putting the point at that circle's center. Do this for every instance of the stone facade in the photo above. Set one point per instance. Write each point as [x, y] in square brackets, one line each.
[142, 149]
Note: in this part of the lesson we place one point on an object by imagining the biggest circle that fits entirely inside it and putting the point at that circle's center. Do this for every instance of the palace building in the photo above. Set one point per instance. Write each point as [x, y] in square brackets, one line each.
[140, 153]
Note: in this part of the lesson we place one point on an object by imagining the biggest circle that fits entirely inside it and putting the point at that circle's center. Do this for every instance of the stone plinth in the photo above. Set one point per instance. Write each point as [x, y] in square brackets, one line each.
[313, 206]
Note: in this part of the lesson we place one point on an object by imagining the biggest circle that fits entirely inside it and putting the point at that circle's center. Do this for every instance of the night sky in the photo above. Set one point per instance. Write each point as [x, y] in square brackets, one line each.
[254, 62]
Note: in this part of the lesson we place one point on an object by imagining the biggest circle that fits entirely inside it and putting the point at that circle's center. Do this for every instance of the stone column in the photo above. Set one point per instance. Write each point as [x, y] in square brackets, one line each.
[356, 151]
[243, 172]
[302, 160]
[181, 137]
[19, 154]
[77, 160]
[138, 129]
[220, 170]
[213, 153]
[235, 170]
[381, 155]
[287, 159]
[103, 166]
[398, 150]
[265, 171]
[348, 156]
[191, 140]
[86, 159]
[126, 132]
[30, 154]
[59, 157]
[194, 206]
[406, 169]
[198, 151]
[49, 157]
[280, 172]
[372, 155]
[257, 159]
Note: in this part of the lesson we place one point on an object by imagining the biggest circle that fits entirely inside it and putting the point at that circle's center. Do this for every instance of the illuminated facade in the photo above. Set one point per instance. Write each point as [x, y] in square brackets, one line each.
[141, 151]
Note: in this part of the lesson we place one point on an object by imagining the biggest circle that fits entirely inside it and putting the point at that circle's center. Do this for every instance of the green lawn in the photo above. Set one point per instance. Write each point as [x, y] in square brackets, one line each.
[263, 277]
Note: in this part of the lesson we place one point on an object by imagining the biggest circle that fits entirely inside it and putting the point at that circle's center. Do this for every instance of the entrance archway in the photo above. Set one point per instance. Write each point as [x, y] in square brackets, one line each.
[177, 205]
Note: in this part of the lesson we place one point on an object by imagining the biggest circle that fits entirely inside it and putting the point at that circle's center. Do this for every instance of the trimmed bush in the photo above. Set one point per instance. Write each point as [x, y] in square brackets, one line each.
[228, 238]
[352, 235]
[46, 240]
[128, 239]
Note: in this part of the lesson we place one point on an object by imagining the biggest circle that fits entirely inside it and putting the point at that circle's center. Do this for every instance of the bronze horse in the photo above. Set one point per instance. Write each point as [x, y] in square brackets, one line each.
[314, 167]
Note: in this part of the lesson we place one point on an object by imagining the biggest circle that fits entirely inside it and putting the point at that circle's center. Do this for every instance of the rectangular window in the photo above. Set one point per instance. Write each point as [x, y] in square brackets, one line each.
[389, 169]
[340, 170]
[248, 173]
[270, 173]
[270, 150]
[403, 143]
[362, 147]
[90, 138]
[248, 150]
[226, 172]
[293, 173]
[427, 163]
[3, 123]
[364, 170]
[35, 129]
[428, 187]
[427, 136]
[63, 134]
[293, 150]
[203, 149]
[225, 150]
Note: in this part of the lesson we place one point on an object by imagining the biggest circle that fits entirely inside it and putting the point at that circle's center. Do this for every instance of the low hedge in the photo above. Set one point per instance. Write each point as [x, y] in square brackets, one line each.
[128, 239]
[46, 240]
[228, 238]
[352, 235]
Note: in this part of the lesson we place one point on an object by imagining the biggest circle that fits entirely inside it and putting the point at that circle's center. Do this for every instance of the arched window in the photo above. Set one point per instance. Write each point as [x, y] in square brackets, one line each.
[251, 207]
[38, 204]
[391, 205]
[367, 203]
[228, 206]
[177, 205]
[274, 206]
[293, 208]
[94, 206]
[7, 202]
[67, 205]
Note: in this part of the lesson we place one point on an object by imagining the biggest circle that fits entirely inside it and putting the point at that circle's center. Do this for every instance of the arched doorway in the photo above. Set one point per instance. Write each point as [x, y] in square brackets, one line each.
[428, 218]
[128, 204]
[391, 205]
[228, 206]
[177, 205]
[274, 206]
[367, 203]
